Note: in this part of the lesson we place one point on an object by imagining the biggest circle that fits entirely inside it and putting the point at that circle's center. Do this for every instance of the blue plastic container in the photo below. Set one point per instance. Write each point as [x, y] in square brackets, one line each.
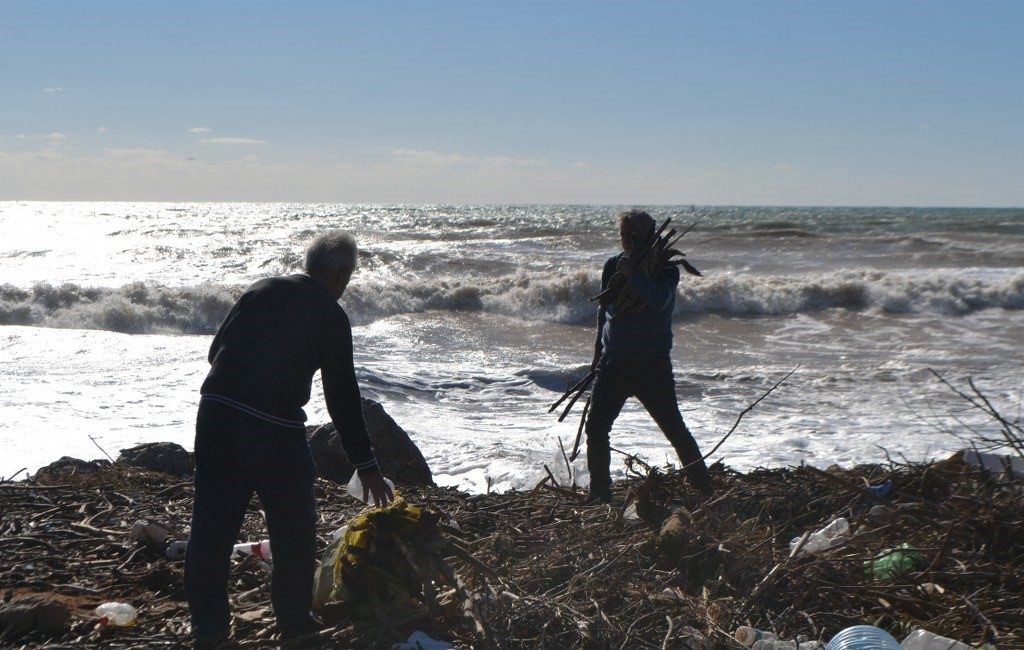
[863, 637]
[882, 489]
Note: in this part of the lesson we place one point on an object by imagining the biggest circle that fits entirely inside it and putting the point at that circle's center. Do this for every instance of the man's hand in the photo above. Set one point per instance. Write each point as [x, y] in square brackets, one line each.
[375, 487]
[626, 266]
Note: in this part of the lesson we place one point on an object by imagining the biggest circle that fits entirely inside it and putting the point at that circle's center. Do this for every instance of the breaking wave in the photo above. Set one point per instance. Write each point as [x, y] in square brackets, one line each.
[136, 308]
[556, 297]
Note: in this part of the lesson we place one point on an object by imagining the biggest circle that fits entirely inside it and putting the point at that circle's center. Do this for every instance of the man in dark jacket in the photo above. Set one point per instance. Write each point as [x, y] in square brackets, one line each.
[631, 357]
[251, 437]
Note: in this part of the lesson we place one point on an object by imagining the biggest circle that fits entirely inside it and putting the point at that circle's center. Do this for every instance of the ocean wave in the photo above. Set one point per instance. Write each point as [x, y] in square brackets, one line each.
[551, 297]
[937, 292]
[136, 308]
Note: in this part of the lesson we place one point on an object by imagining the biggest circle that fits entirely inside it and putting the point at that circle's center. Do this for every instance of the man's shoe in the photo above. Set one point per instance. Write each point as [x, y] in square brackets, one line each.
[600, 496]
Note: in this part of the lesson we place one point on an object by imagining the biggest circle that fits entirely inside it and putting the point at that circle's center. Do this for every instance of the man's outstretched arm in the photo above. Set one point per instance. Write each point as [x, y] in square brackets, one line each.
[341, 392]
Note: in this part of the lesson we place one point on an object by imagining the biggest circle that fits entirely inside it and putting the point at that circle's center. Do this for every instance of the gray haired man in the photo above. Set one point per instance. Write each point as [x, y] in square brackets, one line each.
[250, 434]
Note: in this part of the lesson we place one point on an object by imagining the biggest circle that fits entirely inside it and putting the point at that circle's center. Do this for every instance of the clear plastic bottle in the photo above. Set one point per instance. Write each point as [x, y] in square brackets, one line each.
[117, 614]
[835, 532]
[355, 489]
[863, 637]
[259, 549]
[924, 640]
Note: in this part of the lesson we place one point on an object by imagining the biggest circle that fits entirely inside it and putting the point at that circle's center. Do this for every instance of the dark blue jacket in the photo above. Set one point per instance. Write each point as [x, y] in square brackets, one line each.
[645, 333]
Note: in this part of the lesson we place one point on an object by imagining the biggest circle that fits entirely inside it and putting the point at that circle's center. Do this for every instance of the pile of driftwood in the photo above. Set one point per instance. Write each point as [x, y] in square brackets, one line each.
[544, 568]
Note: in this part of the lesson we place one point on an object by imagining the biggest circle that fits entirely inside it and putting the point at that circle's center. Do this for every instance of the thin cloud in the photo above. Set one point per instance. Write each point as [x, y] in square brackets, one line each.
[233, 141]
[101, 129]
[53, 89]
[431, 158]
[55, 135]
[135, 153]
[784, 167]
[199, 129]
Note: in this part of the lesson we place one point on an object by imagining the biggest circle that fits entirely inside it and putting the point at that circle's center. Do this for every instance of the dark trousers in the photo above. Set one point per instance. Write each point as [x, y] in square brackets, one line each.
[650, 381]
[236, 455]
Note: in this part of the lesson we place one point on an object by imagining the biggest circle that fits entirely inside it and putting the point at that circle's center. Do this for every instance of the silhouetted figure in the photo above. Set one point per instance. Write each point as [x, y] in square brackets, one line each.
[251, 436]
[631, 357]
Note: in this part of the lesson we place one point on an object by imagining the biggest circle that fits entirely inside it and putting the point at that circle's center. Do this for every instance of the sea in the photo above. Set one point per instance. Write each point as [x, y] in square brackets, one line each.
[471, 320]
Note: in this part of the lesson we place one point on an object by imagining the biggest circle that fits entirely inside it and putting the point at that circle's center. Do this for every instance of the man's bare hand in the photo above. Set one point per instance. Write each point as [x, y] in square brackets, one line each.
[375, 487]
[626, 266]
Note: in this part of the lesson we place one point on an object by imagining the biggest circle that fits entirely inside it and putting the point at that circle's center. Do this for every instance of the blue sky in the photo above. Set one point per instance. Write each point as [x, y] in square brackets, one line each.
[798, 103]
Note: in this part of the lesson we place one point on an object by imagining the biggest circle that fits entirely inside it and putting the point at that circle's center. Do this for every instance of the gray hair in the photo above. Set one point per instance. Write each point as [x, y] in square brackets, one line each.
[636, 217]
[331, 252]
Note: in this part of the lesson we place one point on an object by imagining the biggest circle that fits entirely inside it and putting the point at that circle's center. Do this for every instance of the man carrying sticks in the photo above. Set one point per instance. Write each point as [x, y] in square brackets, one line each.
[631, 355]
[251, 436]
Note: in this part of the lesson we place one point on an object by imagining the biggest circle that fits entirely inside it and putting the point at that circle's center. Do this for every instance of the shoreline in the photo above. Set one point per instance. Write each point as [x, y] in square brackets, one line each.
[543, 568]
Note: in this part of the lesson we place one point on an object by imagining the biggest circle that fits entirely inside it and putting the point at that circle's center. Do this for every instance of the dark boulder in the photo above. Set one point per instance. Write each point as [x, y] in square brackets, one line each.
[167, 457]
[399, 457]
[32, 614]
[68, 466]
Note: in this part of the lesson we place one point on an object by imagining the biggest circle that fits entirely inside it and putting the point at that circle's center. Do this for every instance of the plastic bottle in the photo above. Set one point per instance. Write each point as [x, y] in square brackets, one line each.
[749, 635]
[925, 640]
[117, 614]
[828, 536]
[863, 637]
[355, 489]
[176, 549]
[259, 549]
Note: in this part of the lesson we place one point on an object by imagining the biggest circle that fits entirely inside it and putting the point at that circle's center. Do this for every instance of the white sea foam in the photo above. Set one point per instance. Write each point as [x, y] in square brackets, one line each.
[471, 319]
[552, 297]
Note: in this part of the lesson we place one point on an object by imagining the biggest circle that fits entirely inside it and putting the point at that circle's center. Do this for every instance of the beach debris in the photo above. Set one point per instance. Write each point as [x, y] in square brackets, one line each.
[167, 457]
[422, 641]
[883, 489]
[836, 532]
[150, 534]
[259, 550]
[863, 637]
[45, 616]
[894, 561]
[921, 639]
[543, 568]
[117, 614]
[389, 560]
[176, 549]
[397, 454]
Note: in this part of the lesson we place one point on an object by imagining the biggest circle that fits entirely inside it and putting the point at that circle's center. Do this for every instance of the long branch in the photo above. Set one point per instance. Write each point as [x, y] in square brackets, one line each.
[740, 417]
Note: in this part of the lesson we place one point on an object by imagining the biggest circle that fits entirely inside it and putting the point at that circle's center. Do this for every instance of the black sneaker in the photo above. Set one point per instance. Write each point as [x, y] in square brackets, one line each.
[600, 496]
